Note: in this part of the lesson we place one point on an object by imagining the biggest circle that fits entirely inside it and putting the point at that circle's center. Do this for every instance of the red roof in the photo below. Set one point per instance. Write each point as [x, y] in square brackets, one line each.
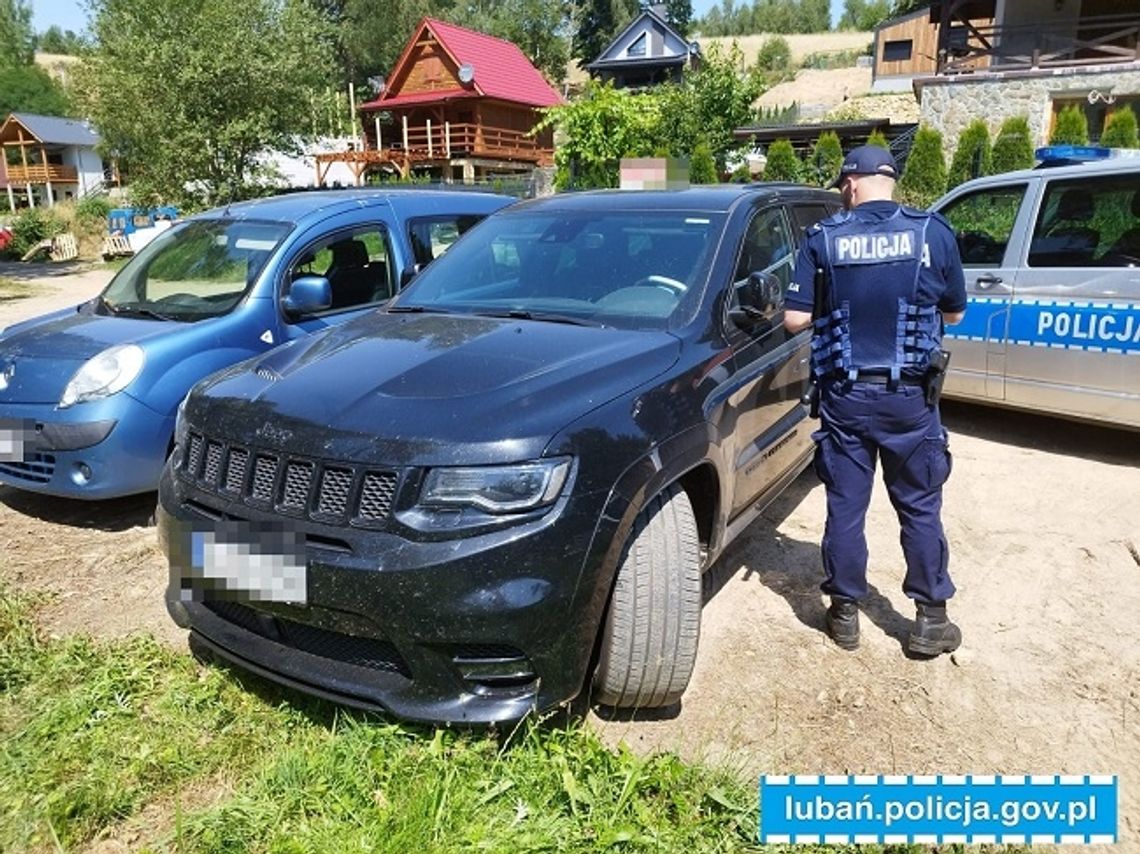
[502, 71]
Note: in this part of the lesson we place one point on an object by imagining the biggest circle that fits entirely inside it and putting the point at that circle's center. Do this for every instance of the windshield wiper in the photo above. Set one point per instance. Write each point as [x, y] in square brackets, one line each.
[137, 311]
[539, 316]
[416, 309]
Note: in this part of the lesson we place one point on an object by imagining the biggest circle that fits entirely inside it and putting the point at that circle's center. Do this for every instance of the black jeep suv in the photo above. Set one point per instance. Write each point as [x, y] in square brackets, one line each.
[503, 487]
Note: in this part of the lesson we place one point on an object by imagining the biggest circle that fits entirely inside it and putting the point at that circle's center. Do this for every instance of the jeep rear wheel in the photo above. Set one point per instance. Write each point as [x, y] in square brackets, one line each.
[649, 640]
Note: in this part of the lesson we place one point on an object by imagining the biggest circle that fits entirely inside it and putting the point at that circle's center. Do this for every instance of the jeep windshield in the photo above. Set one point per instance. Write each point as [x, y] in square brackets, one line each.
[615, 268]
[197, 270]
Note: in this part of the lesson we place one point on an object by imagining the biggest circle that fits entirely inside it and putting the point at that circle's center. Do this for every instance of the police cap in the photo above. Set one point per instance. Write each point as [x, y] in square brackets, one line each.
[867, 160]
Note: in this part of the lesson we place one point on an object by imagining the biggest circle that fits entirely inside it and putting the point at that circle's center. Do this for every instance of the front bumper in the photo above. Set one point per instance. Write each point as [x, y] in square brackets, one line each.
[474, 629]
[96, 450]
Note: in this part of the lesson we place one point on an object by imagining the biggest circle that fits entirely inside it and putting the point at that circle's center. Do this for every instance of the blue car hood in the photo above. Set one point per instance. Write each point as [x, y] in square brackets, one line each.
[39, 356]
[403, 386]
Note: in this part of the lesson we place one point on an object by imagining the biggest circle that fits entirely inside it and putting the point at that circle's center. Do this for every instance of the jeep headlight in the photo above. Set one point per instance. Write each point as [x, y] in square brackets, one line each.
[496, 489]
[104, 374]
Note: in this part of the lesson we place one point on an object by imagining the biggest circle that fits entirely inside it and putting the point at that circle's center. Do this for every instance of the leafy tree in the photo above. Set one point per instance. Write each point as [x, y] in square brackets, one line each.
[973, 157]
[56, 40]
[1120, 131]
[373, 32]
[782, 165]
[702, 165]
[774, 55]
[599, 128]
[1012, 147]
[30, 89]
[190, 94]
[924, 178]
[766, 16]
[826, 158]
[679, 14]
[17, 39]
[596, 23]
[1072, 127]
[864, 14]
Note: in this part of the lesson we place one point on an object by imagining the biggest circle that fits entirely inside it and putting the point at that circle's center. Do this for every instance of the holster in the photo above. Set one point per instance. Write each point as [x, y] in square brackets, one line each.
[811, 399]
[935, 376]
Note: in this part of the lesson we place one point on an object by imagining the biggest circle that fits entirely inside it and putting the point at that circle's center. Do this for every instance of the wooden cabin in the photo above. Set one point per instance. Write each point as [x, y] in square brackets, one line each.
[47, 160]
[459, 105]
[908, 46]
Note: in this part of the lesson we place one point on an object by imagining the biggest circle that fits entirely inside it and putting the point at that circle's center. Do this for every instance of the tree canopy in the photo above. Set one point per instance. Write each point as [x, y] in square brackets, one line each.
[17, 39]
[188, 95]
[864, 14]
[766, 16]
[57, 40]
[30, 89]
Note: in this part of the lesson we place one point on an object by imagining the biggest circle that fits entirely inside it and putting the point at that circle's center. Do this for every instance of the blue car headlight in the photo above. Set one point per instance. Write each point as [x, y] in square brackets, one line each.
[496, 489]
[104, 374]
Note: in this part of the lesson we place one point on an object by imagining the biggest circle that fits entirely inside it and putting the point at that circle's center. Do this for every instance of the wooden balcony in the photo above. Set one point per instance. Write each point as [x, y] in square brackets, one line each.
[40, 174]
[440, 143]
[1096, 40]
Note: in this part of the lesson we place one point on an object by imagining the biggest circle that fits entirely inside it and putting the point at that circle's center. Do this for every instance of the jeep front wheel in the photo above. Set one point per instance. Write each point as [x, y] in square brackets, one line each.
[649, 640]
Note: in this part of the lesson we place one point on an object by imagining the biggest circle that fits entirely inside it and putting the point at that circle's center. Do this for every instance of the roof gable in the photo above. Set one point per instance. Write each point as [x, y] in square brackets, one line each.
[49, 130]
[428, 69]
[651, 32]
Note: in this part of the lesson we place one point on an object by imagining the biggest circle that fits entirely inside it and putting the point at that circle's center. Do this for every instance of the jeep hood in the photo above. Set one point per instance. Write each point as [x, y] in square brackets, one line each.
[405, 389]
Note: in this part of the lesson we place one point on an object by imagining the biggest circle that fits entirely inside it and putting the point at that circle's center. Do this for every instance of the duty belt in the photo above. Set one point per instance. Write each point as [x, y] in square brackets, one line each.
[884, 379]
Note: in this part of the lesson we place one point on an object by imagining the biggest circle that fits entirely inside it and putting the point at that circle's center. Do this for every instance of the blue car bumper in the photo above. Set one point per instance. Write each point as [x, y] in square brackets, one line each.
[95, 450]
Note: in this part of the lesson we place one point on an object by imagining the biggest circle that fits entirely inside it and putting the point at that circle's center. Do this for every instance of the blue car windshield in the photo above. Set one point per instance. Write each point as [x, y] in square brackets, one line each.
[616, 268]
[196, 270]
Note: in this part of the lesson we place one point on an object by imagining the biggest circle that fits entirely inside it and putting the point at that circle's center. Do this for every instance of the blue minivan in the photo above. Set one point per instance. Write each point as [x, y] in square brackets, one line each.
[88, 394]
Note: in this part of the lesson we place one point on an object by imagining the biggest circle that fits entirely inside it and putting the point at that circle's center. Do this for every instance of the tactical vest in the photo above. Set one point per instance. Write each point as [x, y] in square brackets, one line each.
[870, 267]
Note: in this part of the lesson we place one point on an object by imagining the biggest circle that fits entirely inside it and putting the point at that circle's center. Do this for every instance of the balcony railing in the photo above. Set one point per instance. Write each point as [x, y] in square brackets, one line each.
[1089, 41]
[40, 174]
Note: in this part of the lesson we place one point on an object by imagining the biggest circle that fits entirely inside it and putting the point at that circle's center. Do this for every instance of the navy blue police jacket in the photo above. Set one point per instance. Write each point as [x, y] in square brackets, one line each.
[880, 257]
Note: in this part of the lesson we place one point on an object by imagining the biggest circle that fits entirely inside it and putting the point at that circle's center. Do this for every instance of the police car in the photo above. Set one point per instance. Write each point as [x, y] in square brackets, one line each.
[1052, 260]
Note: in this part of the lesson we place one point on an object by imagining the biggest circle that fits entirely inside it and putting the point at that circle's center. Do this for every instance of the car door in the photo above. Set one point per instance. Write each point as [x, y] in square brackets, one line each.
[765, 409]
[359, 265]
[989, 224]
[1075, 327]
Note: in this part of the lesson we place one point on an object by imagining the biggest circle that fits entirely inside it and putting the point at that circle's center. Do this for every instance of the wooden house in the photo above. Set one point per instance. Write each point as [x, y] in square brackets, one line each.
[458, 105]
[645, 53]
[48, 159]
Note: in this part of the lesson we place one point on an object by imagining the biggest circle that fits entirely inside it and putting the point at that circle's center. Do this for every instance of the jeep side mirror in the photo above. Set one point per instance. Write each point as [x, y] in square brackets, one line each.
[761, 296]
[307, 295]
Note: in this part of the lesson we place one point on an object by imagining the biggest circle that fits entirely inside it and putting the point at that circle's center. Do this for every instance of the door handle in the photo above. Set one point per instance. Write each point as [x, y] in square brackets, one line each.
[987, 281]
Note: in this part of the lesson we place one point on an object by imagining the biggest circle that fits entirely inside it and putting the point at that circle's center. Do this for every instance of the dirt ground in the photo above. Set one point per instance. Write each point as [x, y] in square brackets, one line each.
[1043, 519]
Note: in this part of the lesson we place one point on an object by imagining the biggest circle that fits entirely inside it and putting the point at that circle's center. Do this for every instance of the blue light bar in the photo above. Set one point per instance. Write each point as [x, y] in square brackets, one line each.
[1062, 155]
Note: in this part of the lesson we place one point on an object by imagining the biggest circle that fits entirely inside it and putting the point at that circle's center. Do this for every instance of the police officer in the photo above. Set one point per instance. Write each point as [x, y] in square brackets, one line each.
[890, 276]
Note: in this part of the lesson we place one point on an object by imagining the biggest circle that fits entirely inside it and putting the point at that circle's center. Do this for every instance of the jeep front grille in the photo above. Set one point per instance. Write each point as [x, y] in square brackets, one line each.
[292, 484]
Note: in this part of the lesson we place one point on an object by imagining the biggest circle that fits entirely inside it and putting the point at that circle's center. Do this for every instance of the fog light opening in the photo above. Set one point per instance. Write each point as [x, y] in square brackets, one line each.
[81, 474]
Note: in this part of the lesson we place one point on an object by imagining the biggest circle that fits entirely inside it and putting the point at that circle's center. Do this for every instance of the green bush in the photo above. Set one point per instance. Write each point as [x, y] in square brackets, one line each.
[702, 166]
[877, 137]
[973, 157]
[91, 212]
[1013, 148]
[783, 165]
[1120, 131]
[742, 174]
[774, 54]
[925, 177]
[826, 158]
[1072, 127]
[30, 227]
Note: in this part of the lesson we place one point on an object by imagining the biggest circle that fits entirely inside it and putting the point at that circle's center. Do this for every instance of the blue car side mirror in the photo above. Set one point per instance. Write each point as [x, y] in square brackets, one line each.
[307, 295]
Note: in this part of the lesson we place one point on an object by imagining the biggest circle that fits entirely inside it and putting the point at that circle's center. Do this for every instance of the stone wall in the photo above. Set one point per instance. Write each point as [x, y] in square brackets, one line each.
[950, 103]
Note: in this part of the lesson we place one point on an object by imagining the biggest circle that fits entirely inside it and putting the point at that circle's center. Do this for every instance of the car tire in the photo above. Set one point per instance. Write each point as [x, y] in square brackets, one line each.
[649, 638]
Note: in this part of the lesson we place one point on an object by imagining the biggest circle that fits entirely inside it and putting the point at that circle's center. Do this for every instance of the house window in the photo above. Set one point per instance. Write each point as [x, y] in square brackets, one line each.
[897, 51]
[1096, 113]
[638, 46]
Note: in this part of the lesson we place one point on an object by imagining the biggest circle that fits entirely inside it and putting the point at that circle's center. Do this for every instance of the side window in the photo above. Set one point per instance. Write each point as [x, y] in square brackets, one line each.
[356, 263]
[1088, 222]
[768, 248]
[805, 216]
[983, 222]
[431, 237]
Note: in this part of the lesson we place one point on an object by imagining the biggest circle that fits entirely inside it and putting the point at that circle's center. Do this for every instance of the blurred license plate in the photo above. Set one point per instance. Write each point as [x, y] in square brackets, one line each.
[240, 561]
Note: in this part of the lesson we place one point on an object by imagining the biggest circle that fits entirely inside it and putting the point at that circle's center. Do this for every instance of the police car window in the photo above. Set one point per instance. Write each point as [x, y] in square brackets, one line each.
[983, 222]
[1088, 222]
[356, 263]
[768, 248]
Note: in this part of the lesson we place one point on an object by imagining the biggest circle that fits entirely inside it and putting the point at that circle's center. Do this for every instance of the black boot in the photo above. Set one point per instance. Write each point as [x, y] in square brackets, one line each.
[843, 622]
[933, 632]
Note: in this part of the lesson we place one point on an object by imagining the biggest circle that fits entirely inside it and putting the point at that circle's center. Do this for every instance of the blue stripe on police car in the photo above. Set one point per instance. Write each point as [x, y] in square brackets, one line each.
[1098, 327]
